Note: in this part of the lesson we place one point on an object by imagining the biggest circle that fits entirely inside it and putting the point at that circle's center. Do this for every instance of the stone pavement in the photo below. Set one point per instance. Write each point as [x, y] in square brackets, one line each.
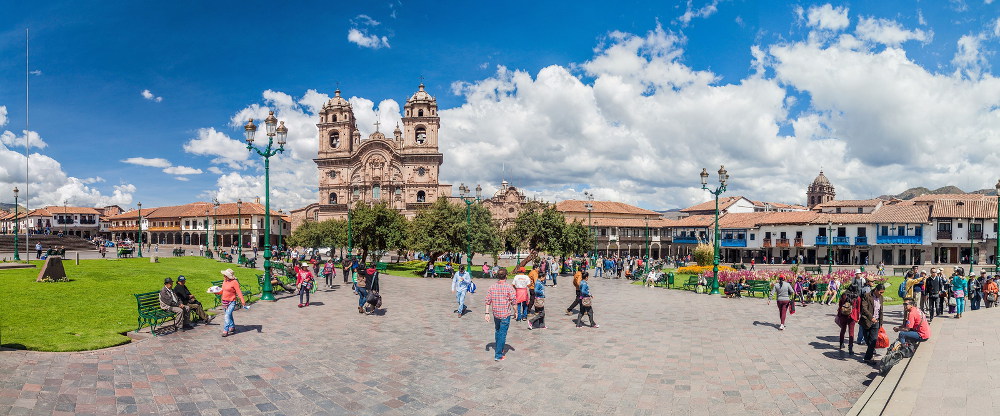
[657, 352]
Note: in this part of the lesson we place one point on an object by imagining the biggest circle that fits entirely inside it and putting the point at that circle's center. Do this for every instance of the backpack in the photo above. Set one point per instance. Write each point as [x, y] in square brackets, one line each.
[902, 289]
[846, 308]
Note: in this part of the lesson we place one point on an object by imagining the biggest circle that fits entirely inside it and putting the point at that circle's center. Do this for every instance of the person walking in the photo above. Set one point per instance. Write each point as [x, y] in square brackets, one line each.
[460, 286]
[871, 319]
[586, 303]
[500, 299]
[848, 314]
[521, 283]
[539, 320]
[304, 281]
[976, 290]
[553, 271]
[329, 273]
[230, 292]
[958, 288]
[783, 293]
[361, 286]
[576, 300]
[935, 295]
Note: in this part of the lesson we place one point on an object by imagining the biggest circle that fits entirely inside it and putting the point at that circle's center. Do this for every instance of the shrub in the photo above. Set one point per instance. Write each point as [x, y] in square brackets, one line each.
[704, 254]
[701, 269]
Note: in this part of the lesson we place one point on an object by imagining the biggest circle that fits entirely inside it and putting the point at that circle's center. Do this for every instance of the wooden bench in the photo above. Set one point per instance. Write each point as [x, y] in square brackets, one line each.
[247, 294]
[820, 291]
[691, 282]
[758, 286]
[814, 269]
[177, 252]
[149, 311]
[380, 267]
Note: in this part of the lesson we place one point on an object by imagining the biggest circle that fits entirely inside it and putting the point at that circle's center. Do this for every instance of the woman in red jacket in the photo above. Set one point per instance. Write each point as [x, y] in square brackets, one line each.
[230, 292]
[304, 281]
[848, 314]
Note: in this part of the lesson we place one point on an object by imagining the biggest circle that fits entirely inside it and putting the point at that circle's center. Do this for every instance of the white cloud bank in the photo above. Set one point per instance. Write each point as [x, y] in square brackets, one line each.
[150, 96]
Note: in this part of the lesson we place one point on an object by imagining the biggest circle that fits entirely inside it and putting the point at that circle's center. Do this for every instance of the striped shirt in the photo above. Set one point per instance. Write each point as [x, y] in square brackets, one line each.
[500, 298]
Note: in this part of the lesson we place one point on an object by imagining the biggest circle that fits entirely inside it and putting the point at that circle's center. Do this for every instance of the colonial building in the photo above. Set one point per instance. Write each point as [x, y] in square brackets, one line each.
[620, 229]
[201, 223]
[820, 191]
[505, 205]
[401, 170]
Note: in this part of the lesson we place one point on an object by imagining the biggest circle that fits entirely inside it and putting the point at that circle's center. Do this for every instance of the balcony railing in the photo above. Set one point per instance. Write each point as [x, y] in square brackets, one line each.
[975, 235]
[734, 242]
[821, 240]
[841, 241]
[798, 242]
[766, 243]
[861, 241]
[944, 235]
[899, 239]
[782, 242]
[686, 240]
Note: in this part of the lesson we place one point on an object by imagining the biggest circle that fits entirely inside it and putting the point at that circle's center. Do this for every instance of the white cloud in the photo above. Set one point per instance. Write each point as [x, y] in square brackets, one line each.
[969, 60]
[215, 170]
[364, 19]
[920, 18]
[996, 27]
[3, 115]
[150, 96]
[9, 139]
[211, 142]
[182, 178]
[362, 38]
[182, 170]
[889, 32]
[157, 162]
[36, 72]
[705, 11]
[826, 17]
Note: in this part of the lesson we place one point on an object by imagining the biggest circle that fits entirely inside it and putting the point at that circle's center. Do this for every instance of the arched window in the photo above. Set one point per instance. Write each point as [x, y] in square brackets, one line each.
[333, 198]
[420, 113]
[356, 192]
[334, 118]
[421, 135]
[421, 196]
[334, 139]
[376, 192]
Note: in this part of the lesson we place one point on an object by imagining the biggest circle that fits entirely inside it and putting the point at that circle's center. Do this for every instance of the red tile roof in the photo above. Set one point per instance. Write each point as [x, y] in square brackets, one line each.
[692, 221]
[935, 197]
[603, 207]
[851, 203]
[627, 222]
[902, 214]
[742, 220]
[952, 208]
[793, 217]
[724, 203]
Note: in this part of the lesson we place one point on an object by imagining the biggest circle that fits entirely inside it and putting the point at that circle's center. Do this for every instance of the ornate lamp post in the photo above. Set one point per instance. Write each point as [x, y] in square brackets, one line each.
[17, 250]
[273, 129]
[350, 232]
[463, 192]
[645, 262]
[66, 216]
[723, 179]
[139, 204]
[239, 228]
[996, 249]
[829, 247]
[208, 248]
[215, 232]
[590, 223]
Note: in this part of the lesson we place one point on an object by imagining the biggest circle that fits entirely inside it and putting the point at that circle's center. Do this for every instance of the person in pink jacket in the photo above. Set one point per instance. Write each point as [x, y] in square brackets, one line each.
[230, 292]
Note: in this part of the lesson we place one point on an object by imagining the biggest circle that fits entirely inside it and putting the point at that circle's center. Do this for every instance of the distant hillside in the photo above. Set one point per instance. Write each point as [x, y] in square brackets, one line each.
[918, 191]
[10, 207]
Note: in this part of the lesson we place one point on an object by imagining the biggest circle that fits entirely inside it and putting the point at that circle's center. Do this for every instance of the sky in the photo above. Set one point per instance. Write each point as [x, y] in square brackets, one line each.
[144, 101]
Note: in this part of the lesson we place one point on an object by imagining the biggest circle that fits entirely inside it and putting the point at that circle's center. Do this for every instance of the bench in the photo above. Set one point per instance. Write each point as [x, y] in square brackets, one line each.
[125, 252]
[820, 291]
[440, 271]
[758, 286]
[900, 271]
[691, 282]
[380, 267]
[274, 288]
[149, 311]
[814, 269]
[208, 253]
[226, 257]
[178, 252]
[218, 297]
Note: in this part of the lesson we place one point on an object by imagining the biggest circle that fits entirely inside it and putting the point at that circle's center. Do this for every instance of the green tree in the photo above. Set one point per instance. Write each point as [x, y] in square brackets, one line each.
[306, 235]
[443, 228]
[539, 228]
[376, 228]
[576, 239]
[333, 234]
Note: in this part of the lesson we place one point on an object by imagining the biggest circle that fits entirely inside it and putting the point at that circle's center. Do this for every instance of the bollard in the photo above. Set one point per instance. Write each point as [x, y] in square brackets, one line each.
[77, 258]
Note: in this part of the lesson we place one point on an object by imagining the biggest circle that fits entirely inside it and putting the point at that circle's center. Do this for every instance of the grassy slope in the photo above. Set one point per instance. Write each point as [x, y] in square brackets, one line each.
[93, 309]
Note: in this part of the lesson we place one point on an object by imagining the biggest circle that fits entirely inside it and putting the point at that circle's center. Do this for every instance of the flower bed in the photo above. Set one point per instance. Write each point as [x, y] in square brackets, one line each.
[701, 269]
[845, 276]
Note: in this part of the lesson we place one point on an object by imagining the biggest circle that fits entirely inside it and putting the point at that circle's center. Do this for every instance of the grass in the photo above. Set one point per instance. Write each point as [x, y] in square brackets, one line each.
[96, 307]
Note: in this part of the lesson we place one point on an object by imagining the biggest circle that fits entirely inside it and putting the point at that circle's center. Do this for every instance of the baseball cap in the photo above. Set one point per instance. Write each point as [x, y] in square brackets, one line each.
[181, 278]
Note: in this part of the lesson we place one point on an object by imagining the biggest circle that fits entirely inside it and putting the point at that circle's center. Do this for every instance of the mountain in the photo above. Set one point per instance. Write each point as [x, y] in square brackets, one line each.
[918, 191]
[10, 207]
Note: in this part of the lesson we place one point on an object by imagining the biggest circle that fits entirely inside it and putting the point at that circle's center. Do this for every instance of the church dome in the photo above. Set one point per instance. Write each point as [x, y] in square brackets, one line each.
[421, 95]
[337, 100]
[821, 179]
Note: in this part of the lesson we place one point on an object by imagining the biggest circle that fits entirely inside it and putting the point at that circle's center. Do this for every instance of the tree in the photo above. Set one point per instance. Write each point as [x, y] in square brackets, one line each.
[443, 228]
[333, 234]
[306, 235]
[539, 228]
[576, 239]
[376, 228]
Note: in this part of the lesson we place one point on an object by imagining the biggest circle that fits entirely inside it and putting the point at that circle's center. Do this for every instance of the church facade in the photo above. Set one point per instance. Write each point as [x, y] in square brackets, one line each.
[401, 170]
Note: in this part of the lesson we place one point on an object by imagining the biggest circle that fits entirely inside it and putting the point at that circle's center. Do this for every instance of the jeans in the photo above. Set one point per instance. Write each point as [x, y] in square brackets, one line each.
[460, 296]
[862, 335]
[329, 278]
[976, 302]
[909, 336]
[303, 293]
[554, 275]
[871, 335]
[362, 296]
[522, 311]
[783, 306]
[539, 321]
[576, 301]
[229, 324]
[598, 272]
[959, 305]
[500, 325]
[589, 310]
[935, 305]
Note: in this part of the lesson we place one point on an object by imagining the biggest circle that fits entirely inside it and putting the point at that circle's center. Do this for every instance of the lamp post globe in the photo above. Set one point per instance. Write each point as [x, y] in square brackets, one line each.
[274, 131]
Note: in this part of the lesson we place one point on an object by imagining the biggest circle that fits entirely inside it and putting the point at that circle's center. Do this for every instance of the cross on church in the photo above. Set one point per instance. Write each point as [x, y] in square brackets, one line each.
[376, 122]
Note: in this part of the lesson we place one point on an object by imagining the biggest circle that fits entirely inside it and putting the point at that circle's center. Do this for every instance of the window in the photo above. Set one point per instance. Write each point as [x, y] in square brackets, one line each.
[604, 232]
[783, 237]
[798, 234]
[841, 231]
[614, 231]
[421, 133]
[333, 198]
[767, 235]
[976, 228]
[376, 192]
[332, 174]
[944, 226]
[885, 230]
[901, 230]
[822, 232]
[918, 230]
[420, 113]
[334, 139]
[421, 196]
[838, 210]
[959, 225]
[356, 192]
[334, 118]
[421, 171]
[862, 232]
[861, 210]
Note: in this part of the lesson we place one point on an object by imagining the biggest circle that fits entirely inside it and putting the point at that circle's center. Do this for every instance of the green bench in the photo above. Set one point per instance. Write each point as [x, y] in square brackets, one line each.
[820, 291]
[274, 288]
[758, 286]
[149, 311]
[247, 294]
[380, 266]
[691, 282]
[226, 257]
[440, 271]
[900, 271]
[178, 252]
[814, 269]
[125, 252]
[208, 253]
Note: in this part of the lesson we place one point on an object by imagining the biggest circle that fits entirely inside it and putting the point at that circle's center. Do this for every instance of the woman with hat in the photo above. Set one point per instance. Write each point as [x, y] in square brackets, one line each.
[230, 292]
[304, 281]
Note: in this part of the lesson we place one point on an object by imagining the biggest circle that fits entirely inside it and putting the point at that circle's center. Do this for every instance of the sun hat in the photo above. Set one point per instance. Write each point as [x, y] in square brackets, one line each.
[229, 273]
[857, 271]
[168, 280]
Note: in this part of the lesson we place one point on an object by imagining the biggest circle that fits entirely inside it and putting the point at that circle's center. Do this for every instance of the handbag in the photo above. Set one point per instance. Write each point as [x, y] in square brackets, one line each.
[883, 339]
[587, 301]
[991, 297]
[540, 303]
[952, 302]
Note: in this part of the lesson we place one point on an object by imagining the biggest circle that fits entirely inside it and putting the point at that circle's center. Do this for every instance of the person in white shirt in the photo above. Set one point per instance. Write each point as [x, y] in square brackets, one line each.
[460, 283]
[521, 283]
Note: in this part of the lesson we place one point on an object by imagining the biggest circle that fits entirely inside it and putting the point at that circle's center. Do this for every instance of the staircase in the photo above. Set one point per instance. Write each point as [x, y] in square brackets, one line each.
[48, 241]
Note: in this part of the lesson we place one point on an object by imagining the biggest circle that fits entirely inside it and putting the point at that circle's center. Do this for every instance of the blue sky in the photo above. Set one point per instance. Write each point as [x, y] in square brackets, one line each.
[526, 80]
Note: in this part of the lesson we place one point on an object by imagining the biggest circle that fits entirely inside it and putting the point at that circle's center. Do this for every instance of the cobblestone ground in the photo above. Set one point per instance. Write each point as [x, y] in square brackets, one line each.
[657, 352]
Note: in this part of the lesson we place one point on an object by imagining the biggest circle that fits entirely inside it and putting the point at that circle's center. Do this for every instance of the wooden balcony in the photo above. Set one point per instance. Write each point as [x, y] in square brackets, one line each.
[782, 242]
[798, 242]
[975, 235]
[944, 235]
[766, 243]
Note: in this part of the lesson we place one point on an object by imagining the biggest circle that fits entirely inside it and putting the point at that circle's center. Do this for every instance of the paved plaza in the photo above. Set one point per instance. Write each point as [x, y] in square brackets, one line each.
[657, 352]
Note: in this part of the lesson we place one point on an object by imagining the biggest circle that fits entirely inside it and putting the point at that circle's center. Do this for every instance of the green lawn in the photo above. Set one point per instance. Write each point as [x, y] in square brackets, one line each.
[94, 309]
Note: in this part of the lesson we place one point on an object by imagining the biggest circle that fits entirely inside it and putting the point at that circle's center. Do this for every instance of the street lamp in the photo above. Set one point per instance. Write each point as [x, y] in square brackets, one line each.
[17, 250]
[723, 179]
[829, 247]
[996, 249]
[208, 249]
[239, 227]
[215, 231]
[645, 262]
[65, 216]
[139, 204]
[590, 223]
[463, 192]
[273, 129]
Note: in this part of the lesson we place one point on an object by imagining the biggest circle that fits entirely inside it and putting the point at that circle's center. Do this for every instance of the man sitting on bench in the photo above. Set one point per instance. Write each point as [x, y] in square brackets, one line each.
[170, 302]
[186, 298]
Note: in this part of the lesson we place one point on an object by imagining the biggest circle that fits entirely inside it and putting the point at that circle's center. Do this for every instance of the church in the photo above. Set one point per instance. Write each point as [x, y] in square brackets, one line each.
[401, 170]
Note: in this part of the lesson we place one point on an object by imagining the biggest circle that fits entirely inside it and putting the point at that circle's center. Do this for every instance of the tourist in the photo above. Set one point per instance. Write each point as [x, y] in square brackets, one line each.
[576, 300]
[832, 289]
[881, 268]
[859, 282]
[230, 291]
[347, 269]
[553, 271]
[360, 286]
[304, 281]
[500, 301]
[848, 314]
[935, 295]
[976, 290]
[586, 305]
[328, 273]
[186, 298]
[460, 286]
[521, 283]
[915, 329]
[103, 250]
[958, 287]
[539, 304]
[38, 251]
[783, 293]
[916, 288]
[991, 291]
[871, 318]
[170, 302]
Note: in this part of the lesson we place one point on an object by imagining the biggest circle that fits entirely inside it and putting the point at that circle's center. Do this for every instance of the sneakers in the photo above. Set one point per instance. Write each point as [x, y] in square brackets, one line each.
[307, 303]
[301, 305]
[781, 327]
[596, 326]
[530, 327]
